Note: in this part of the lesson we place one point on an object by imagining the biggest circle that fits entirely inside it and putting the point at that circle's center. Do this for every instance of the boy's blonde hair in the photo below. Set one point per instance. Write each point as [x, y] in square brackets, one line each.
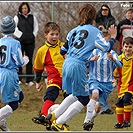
[51, 26]
[87, 13]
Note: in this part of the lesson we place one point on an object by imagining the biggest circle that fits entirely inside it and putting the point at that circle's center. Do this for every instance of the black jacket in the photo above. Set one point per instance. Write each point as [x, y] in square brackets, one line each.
[26, 25]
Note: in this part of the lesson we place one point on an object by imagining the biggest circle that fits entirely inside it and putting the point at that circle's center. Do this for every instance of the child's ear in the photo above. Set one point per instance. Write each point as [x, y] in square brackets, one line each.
[45, 35]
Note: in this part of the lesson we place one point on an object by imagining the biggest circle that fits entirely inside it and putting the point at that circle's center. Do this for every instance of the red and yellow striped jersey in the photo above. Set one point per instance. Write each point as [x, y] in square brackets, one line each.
[48, 56]
[125, 81]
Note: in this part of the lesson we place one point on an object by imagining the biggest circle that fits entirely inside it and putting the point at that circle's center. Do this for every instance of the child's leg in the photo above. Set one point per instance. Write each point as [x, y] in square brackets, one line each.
[51, 95]
[64, 105]
[127, 109]
[5, 112]
[91, 105]
[73, 109]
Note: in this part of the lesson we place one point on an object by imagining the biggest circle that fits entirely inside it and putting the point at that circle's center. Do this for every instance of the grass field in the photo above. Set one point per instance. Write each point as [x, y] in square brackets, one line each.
[20, 120]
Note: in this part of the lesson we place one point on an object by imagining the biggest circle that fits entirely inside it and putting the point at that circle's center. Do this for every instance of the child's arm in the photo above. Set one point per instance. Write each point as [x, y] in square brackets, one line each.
[64, 48]
[116, 61]
[95, 57]
[39, 86]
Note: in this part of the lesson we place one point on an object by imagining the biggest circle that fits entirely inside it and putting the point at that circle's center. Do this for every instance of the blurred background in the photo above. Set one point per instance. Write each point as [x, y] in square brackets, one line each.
[64, 13]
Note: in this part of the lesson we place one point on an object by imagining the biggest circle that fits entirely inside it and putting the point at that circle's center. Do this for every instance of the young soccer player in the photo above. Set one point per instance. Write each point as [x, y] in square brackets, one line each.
[49, 57]
[10, 60]
[100, 67]
[125, 85]
[79, 45]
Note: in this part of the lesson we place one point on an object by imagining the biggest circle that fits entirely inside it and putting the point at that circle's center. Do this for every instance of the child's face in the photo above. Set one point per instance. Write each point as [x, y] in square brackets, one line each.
[129, 15]
[52, 37]
[128, 49]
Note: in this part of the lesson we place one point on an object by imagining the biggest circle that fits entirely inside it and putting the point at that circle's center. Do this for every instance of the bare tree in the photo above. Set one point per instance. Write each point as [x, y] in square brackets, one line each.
[64, 13]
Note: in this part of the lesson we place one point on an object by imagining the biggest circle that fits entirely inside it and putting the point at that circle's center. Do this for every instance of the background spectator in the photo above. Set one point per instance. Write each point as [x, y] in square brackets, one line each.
[26, 31]
[125, 28]
[104, 18]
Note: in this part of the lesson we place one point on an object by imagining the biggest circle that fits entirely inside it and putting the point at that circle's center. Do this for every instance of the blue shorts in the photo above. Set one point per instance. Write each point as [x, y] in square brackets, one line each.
[104, 90]
[74, 77]
[9, 86]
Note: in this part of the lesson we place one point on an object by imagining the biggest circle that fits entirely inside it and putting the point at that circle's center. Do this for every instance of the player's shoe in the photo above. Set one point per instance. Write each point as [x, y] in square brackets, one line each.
[118, 126]
[88, 125]
[50, 118]
[126, 124]
[108, 111]
[59, 127]
[40, 120]
[4, 127]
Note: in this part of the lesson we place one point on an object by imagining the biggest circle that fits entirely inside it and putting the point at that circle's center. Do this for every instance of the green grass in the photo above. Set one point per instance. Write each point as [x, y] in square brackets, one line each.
[20, 120]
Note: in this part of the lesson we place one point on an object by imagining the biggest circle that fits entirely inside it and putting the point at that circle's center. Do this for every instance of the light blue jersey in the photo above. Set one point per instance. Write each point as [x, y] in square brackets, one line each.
[81, 41]
[10, 60]
[102, 69]
[101, 74]
[11, 53]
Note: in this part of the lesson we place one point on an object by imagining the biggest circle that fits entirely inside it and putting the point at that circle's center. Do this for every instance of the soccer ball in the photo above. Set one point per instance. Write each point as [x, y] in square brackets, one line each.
[52, 108]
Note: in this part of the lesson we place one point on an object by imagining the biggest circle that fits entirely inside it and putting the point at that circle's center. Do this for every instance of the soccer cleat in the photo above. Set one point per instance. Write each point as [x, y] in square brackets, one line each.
[108, 111]
[40, 120]
[59, 127]
[126, 124]
[4, 127]
[118, 125]
[50, 118]
[88, 125]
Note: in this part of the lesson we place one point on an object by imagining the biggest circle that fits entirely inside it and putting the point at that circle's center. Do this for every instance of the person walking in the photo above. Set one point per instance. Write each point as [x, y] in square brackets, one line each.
[10, 60]
[26, 32]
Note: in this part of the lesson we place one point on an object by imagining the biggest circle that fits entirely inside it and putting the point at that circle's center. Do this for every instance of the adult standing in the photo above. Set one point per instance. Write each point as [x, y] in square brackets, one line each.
[125, 28]
[26, 32]
[104, 18]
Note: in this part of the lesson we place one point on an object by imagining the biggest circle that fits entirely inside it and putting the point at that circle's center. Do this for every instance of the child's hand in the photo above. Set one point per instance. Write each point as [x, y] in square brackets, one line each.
[39, 86]
[110, 56]
[96, 57]
[114, 82]
[26, 60]
[113, 31]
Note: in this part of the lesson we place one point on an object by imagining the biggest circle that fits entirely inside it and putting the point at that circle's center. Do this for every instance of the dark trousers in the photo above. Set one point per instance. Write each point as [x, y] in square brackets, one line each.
[28, 50]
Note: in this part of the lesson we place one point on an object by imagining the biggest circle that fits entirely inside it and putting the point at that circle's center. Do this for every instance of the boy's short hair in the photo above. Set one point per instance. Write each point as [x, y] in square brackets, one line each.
[128, 40]
[51, 26]
[129, 9]
[86, 14]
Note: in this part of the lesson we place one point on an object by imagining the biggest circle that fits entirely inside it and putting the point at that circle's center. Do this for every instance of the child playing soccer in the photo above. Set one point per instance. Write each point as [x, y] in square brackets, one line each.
[10, 61]
[49, 57]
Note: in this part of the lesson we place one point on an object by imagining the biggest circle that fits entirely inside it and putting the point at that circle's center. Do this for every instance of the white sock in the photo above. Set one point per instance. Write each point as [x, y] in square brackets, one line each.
[5, 112]
[64, 105]
[90, 109]
[72, 110]
[95, 114]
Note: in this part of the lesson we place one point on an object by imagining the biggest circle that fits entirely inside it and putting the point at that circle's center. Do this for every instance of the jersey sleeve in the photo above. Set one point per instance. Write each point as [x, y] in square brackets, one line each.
[38, 65]
[17, 54]
[102, 44]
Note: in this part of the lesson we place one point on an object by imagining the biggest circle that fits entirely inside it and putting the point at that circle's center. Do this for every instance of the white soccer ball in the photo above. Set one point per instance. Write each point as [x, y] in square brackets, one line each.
[52, 108]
